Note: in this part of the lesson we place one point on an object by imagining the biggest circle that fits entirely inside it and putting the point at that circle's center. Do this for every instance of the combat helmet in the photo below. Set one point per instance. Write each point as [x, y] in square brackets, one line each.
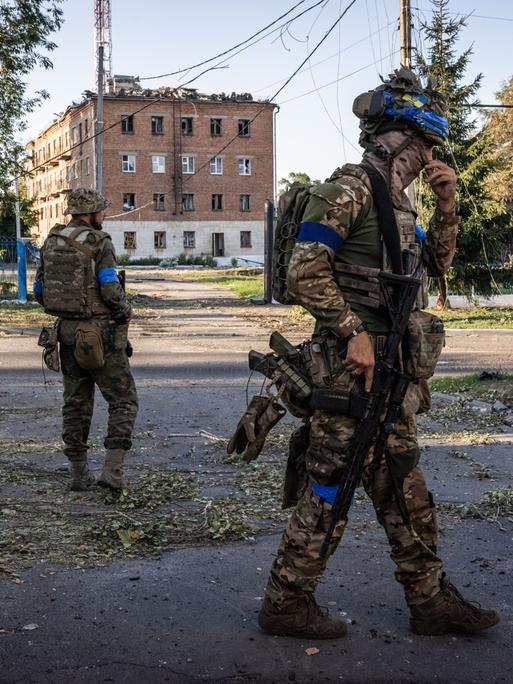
[85, 201]
[402, 102]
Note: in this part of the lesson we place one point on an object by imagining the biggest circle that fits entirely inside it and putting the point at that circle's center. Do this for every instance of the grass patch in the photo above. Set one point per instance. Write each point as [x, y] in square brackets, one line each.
[479, 317]
[23, 316]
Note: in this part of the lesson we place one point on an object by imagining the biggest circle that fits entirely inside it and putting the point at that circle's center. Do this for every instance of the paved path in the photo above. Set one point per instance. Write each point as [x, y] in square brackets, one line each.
[190, 615]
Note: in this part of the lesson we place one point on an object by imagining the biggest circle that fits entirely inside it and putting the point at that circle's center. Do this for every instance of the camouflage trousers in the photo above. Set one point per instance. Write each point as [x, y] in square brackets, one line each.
[115, 382]
[298, 566]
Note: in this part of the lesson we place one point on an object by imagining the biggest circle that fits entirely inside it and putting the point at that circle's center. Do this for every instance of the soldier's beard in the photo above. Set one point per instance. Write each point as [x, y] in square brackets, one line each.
[405, 167]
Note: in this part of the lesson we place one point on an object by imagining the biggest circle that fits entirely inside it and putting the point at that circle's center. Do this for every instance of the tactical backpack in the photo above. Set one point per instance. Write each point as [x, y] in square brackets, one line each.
[70, 288]
[291, 207]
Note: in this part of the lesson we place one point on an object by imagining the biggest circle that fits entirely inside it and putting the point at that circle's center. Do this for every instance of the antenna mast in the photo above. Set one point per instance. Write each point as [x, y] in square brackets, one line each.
[103, 38]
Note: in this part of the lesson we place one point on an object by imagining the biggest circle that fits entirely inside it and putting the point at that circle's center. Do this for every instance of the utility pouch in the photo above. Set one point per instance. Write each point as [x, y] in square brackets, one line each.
[120, 336]
[425, 341]
[48, 340]
[88, 346]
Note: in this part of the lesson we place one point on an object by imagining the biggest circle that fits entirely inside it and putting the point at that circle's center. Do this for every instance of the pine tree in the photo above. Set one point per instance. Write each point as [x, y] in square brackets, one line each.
[484, 229]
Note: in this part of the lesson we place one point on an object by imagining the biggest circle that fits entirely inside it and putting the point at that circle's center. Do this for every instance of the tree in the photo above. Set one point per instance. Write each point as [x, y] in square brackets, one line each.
[8, 213]
[500, 126]
[484, 229]
[25, 27]
[294, 177]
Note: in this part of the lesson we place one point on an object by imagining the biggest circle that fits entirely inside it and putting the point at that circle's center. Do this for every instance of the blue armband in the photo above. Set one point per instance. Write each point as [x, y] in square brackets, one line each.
[420, 233]
[328, 493]
[38, 288]
[310, 231]
[107, 275]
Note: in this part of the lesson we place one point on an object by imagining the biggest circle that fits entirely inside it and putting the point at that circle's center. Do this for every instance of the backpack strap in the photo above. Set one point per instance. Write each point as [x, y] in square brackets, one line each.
[57, 230]
[386, 216]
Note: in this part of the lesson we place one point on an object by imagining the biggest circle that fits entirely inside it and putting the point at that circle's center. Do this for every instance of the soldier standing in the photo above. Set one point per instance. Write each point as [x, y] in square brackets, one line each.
[77, 281]
[339, 248]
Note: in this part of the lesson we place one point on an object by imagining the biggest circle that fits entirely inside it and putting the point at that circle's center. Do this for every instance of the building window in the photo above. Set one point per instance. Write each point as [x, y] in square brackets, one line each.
[128, 201]
[157, 125]
[216, 127]
[216, 166]
[188, 201]
[244, 127]
[158, 163]
[187, 164]
[86, 127]
[159, 201]
[189, 238]
[217, 202]
[129, 240]
[244, 167]
[186, 125]
[128, 163]
[245, 239]
[87, 170]
[245, 202]
[127, 124]
[159, 239]
[74, 135]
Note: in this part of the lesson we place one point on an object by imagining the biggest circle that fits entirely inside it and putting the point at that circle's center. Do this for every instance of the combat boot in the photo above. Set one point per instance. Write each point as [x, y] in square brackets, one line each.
[300, 617]
[81, 477]
[449, 612]
[112, 475]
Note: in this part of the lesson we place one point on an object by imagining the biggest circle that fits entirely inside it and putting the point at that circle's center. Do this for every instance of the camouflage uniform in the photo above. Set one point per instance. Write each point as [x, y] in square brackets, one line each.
[345, 205]
[114, 379]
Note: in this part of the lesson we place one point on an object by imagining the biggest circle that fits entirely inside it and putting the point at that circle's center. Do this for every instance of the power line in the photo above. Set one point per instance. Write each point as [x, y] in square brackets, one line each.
[289, 79]
[469, 16]
[238, 45]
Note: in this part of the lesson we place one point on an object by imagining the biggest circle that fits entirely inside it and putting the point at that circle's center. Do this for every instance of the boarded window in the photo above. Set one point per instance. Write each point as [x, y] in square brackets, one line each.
[245, 238]
[130, 240]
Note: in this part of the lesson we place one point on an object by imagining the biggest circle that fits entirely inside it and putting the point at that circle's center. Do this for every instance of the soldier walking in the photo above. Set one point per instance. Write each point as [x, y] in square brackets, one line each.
[77, 282]
[338, 252]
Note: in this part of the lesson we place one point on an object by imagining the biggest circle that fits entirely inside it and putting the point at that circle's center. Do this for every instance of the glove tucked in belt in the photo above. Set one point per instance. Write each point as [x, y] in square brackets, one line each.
[259, 418]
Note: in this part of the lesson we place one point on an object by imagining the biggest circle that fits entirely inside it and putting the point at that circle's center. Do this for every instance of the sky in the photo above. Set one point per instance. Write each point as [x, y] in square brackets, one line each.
[316, 130]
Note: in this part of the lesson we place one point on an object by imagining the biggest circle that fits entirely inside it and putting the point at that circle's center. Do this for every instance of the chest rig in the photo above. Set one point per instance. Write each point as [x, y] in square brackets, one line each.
[360, 284]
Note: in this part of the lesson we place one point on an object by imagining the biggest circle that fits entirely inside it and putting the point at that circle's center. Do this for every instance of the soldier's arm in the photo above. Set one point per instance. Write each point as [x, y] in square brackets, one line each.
[110, 287]
[440, 242]
[329, 215]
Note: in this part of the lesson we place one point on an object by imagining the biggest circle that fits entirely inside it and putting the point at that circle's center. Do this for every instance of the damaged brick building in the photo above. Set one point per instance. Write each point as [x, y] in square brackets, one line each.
[171, 188]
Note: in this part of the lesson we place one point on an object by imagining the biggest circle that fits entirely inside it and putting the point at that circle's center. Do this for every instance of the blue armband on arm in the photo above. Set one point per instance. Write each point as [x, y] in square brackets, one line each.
[310, 231]
[325, 492]
[107, 275]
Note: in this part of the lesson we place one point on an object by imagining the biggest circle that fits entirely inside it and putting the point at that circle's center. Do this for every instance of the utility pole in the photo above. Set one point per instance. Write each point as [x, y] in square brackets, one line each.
[20, 250]
[405, 33]
[103, 54]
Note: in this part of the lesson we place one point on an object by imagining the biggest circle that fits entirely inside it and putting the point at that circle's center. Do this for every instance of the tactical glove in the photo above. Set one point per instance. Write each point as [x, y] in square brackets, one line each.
[259, 418]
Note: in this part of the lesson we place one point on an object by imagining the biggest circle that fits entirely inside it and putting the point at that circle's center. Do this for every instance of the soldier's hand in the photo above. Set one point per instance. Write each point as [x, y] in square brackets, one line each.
[360, 358]
[442, 180]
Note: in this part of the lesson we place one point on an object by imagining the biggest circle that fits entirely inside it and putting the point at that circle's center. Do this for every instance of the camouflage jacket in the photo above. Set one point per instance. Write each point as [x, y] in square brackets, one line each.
[110, 290]
[340, 226]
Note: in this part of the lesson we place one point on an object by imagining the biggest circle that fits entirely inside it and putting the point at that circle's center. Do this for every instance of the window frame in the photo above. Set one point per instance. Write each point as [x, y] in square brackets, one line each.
[161, 233]
[131, 206]
[221, 195]
[127, 122]
[155, 118]
[241, 202]
[159, 170]
[216, 121]
[160, 203]
[244, 128]
[128, 163]
[216, 163]
[126, 233]
[189, 129]
[190, 195]
[248, 234]
[243, 163]
[186, 240]
[188, 157]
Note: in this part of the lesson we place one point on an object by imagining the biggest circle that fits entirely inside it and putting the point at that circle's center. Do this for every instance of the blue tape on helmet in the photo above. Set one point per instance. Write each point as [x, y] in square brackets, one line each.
[417, 115]
[325, 492]
[107, 275]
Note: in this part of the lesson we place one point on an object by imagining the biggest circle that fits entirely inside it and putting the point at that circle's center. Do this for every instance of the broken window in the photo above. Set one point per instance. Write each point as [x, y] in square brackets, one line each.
[188, 201]
[186, 125]
[130, 240]
[187, 164]
[244, 167]
[216, 127]
[158, 163]
[159, 239]
[128, 201]
[157, 125]
[244, 127]
[245, 202]
[217, 202]
[189, 238]
[216, 166]
[159, 201]
[245, 238]
[127, 124]
[128, 163]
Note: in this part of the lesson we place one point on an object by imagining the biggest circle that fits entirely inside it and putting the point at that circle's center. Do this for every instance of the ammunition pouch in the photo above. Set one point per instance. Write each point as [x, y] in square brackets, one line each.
[48, 339]
[359, 285]
[352, 404]
[425, 340]
[88, 346]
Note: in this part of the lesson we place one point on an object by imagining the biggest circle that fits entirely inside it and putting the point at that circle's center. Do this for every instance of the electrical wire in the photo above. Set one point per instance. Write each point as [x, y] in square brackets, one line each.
[371, 42]
[339, 107]
[469, 16]
[234, 47]
[281, 88]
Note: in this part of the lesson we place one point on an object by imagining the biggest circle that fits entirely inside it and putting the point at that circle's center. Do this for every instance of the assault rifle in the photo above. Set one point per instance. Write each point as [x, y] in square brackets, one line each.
[389, 385]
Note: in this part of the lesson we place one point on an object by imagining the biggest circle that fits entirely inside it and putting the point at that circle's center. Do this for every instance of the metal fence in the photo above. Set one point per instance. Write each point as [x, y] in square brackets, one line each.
[9, 265]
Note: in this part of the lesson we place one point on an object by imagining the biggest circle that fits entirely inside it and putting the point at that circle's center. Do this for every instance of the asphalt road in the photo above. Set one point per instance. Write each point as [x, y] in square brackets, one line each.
[190, 615]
